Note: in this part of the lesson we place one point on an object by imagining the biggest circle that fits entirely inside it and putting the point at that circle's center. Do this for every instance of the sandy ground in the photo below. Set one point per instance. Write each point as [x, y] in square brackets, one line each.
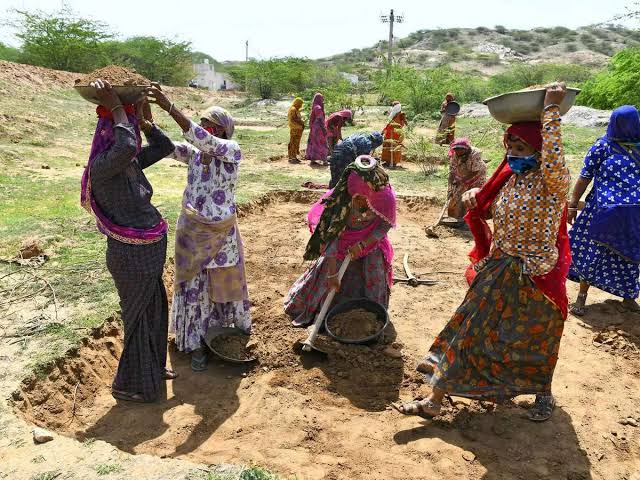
[329, 418]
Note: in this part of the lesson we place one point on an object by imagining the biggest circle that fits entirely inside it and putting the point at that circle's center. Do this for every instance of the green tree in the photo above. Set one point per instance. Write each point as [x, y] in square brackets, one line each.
[161, 60]
[275, 77]
[9, 53]
[61, 40]
[617, 85]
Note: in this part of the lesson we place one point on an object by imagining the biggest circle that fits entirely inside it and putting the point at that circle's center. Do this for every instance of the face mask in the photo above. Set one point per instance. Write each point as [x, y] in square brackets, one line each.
[521, 164]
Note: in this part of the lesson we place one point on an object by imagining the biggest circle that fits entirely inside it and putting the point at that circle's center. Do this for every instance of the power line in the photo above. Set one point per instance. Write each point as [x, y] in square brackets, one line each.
[391, 19]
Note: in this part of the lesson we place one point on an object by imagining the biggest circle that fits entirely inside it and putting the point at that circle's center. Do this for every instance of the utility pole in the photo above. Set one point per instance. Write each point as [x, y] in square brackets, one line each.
[391, 19]
[246, 51]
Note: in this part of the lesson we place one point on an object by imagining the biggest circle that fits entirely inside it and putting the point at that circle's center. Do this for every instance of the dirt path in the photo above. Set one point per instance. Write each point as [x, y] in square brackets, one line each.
[329, 419]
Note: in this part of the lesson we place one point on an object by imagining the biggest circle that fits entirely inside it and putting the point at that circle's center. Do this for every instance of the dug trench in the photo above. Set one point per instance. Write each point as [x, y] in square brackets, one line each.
[300, 414]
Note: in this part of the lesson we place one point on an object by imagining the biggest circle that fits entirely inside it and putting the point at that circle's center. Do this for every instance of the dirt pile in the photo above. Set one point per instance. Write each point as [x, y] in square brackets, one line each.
[29, 75]
[355, 324]
[115, 75]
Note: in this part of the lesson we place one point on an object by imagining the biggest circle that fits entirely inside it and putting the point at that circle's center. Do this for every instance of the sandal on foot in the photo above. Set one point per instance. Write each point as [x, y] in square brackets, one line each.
[578, 308]
[199, 362]
[169, 374]
[419, 408]
[127, 396]
[542, 408]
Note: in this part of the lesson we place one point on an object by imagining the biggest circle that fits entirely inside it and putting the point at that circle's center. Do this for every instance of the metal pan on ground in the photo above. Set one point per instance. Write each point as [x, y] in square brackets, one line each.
[525, 105]
[358, 303]
[216, 332]
[129, 94]
[452, 108]
[451, 222]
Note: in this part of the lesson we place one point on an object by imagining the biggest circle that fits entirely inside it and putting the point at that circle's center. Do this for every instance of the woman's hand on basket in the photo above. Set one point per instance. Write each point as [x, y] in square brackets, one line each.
[155, 95]
[555, 93]
[106, 94]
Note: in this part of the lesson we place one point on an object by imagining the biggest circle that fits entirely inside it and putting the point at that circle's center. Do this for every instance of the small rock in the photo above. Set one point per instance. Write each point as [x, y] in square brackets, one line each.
[632, 422]
[40, 435]
[77, 164]
[468, 456]
[393, 352]
[600, 457]
[265, 369]
[244, 374]
[229, 377]
[44, 166]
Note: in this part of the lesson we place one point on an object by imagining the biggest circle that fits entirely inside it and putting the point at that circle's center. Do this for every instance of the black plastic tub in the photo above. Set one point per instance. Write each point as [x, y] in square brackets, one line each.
[365, 304]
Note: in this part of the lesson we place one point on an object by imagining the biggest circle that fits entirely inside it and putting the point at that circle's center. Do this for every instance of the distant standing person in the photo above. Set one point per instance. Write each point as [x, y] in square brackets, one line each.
[467, 170]
[317, 144]
[349, 149]
[394, 136]
[605, 238]
[296, 127]
[447, 128]
[210, 288]
[116, 191]
[335, 122]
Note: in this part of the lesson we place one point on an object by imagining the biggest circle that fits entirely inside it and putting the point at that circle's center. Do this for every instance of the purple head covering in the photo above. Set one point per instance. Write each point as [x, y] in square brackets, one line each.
[103, 140]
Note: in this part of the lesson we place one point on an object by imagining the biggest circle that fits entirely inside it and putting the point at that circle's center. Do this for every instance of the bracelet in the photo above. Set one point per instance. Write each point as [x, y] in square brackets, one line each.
[551, 105]
[116, 108]
[573, 209]
[170, 109]
[332, 276]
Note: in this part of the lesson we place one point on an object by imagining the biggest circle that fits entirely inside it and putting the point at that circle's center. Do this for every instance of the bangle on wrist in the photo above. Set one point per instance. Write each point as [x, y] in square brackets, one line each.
[116, 107]
[332, 276]
[171, 109]
[546, 107]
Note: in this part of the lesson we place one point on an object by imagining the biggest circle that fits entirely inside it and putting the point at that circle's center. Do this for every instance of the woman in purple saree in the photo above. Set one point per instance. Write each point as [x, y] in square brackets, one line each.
[353, 219]
[116, 191]
[317, 148]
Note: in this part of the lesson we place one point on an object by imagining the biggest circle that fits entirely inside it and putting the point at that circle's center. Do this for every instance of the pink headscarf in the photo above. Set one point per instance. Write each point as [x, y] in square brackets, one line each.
[457, 143]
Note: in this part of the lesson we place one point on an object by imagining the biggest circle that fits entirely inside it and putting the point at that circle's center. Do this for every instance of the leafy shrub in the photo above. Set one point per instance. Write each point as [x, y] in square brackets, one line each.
[571, 47]
[617, 85]
[10, 54]
[501, 29]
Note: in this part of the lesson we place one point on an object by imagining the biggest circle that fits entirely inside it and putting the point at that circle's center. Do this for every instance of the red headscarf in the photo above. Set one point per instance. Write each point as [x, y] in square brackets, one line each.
[104, 112]
[552, 284]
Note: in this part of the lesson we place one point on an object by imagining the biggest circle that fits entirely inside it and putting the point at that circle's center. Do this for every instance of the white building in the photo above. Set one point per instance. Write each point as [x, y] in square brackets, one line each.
[207, 77]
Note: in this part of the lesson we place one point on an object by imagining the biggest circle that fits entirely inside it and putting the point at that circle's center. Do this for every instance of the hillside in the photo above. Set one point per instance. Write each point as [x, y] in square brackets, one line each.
[490, 50]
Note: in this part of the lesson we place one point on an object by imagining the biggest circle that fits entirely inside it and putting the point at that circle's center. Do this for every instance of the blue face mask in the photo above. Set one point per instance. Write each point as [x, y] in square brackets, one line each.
[521, 164]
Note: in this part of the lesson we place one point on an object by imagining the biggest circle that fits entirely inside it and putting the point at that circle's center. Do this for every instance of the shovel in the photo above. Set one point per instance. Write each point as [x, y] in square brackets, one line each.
[308, 344]
[431, 229]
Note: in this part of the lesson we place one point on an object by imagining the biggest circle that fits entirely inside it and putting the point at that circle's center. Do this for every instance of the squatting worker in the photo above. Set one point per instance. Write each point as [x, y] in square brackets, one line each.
[467, 170]
[116, 191]
[503, 340]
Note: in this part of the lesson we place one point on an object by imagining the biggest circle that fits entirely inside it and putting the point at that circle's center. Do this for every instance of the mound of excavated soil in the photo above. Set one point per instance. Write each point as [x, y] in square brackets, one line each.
[115, 75]
[20, 74]
[299, 414]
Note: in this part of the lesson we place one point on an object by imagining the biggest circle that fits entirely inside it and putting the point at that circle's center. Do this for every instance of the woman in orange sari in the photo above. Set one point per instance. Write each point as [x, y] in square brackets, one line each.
[394, 136]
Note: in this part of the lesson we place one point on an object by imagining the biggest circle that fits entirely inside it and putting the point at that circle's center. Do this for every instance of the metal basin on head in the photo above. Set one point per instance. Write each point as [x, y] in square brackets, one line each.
[129, 94]
[525, 105]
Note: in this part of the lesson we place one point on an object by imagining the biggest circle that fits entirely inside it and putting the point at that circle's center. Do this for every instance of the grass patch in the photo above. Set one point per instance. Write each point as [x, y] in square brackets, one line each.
[108, 468]
[52, 475]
